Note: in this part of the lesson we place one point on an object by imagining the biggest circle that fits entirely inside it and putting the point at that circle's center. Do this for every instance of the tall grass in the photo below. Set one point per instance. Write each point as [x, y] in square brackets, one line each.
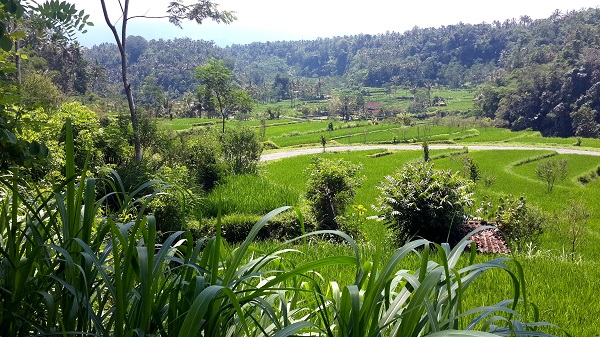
[248, 194]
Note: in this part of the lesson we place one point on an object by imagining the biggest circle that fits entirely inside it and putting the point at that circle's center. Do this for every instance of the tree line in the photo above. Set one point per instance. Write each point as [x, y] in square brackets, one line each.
[537, 74]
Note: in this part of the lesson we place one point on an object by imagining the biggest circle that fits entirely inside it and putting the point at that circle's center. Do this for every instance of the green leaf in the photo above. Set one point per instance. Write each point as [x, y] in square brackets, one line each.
[292, 329]
[19, 34]
[34, 148]
[458, 333]
[10, 136]
[5, 43]
[199, 308]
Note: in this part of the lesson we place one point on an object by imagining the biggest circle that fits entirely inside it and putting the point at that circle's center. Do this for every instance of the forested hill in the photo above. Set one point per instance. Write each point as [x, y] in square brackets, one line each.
[452, 55]
[541, 63]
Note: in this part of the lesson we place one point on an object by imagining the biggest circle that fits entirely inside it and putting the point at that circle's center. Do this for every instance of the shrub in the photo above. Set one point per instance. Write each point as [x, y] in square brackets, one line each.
[420, 201]
[269, 145]
[134, 174]
[470, 168]
[331, 187]
[241, 150]
[489, 180]
[172, 207]
[519, 223]
[573, 224]
[203, 159]
[588, 177]
[113, 141]
[551, 172]
[236, 227]
[425, 146]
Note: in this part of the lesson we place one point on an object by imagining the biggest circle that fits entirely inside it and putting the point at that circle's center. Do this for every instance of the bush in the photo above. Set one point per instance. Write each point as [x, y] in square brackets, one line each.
[519, 224]
[588, 177]
[331, 187]
[133, 174]
[269, 145]
[203, 159]
[551, 172]
[242, 150]
[425, 146]
[175, 204]
[470, 169]
[489, 180]
[169, 213]
[572, 223]
[420, 201]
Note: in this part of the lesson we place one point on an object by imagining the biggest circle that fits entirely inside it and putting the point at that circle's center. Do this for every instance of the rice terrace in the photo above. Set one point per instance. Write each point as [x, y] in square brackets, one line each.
[439, 181]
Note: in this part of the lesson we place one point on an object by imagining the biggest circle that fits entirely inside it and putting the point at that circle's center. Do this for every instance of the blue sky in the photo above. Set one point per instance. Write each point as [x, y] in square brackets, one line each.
[272, 20]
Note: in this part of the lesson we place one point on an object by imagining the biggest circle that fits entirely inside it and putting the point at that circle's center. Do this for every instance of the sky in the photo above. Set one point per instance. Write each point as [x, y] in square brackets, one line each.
[276, 20]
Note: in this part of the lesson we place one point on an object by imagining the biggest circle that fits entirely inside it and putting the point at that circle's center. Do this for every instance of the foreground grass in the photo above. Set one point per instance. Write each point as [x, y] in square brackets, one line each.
[119, 280]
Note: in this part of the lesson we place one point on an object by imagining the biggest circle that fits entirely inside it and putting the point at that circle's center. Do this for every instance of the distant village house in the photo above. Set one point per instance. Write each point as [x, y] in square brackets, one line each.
[373, 110]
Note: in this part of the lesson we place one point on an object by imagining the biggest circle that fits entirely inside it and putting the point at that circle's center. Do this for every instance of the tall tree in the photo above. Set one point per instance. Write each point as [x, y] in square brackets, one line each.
[176, 13]
[217, 84]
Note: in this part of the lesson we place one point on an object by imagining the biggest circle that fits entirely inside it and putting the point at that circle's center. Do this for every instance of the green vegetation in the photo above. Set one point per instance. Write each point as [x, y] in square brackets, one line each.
[520, 224]
[285, 133]
[551, 172]
[217, 93]
[330, 188]
[514, 173]
[170, 239]
[419, 201]
[239, 194]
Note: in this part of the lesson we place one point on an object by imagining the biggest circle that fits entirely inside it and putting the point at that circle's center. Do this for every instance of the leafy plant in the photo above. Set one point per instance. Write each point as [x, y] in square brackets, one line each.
[418, 200]
[203, 157]
[573, 223]
[241, 149]
[178, 204]
[470, 169]
[71, 265]
[552, 171]
[519, 223]
[387, 299]
[489, 180]
[331, 185]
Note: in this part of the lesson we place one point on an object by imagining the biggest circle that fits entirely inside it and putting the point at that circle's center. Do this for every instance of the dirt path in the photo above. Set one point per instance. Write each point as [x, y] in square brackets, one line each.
[299, 152]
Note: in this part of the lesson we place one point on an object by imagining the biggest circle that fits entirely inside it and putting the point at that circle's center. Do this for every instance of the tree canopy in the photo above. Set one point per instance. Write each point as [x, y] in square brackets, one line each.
[218, 89]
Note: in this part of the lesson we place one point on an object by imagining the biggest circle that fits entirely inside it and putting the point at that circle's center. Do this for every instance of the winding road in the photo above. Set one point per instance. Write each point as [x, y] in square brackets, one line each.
[299, 152]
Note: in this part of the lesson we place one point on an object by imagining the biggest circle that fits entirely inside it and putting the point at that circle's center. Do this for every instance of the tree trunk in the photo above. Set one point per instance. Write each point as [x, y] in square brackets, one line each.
[134, 118]
[121, 43]
[18, 62]
[222, 112]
